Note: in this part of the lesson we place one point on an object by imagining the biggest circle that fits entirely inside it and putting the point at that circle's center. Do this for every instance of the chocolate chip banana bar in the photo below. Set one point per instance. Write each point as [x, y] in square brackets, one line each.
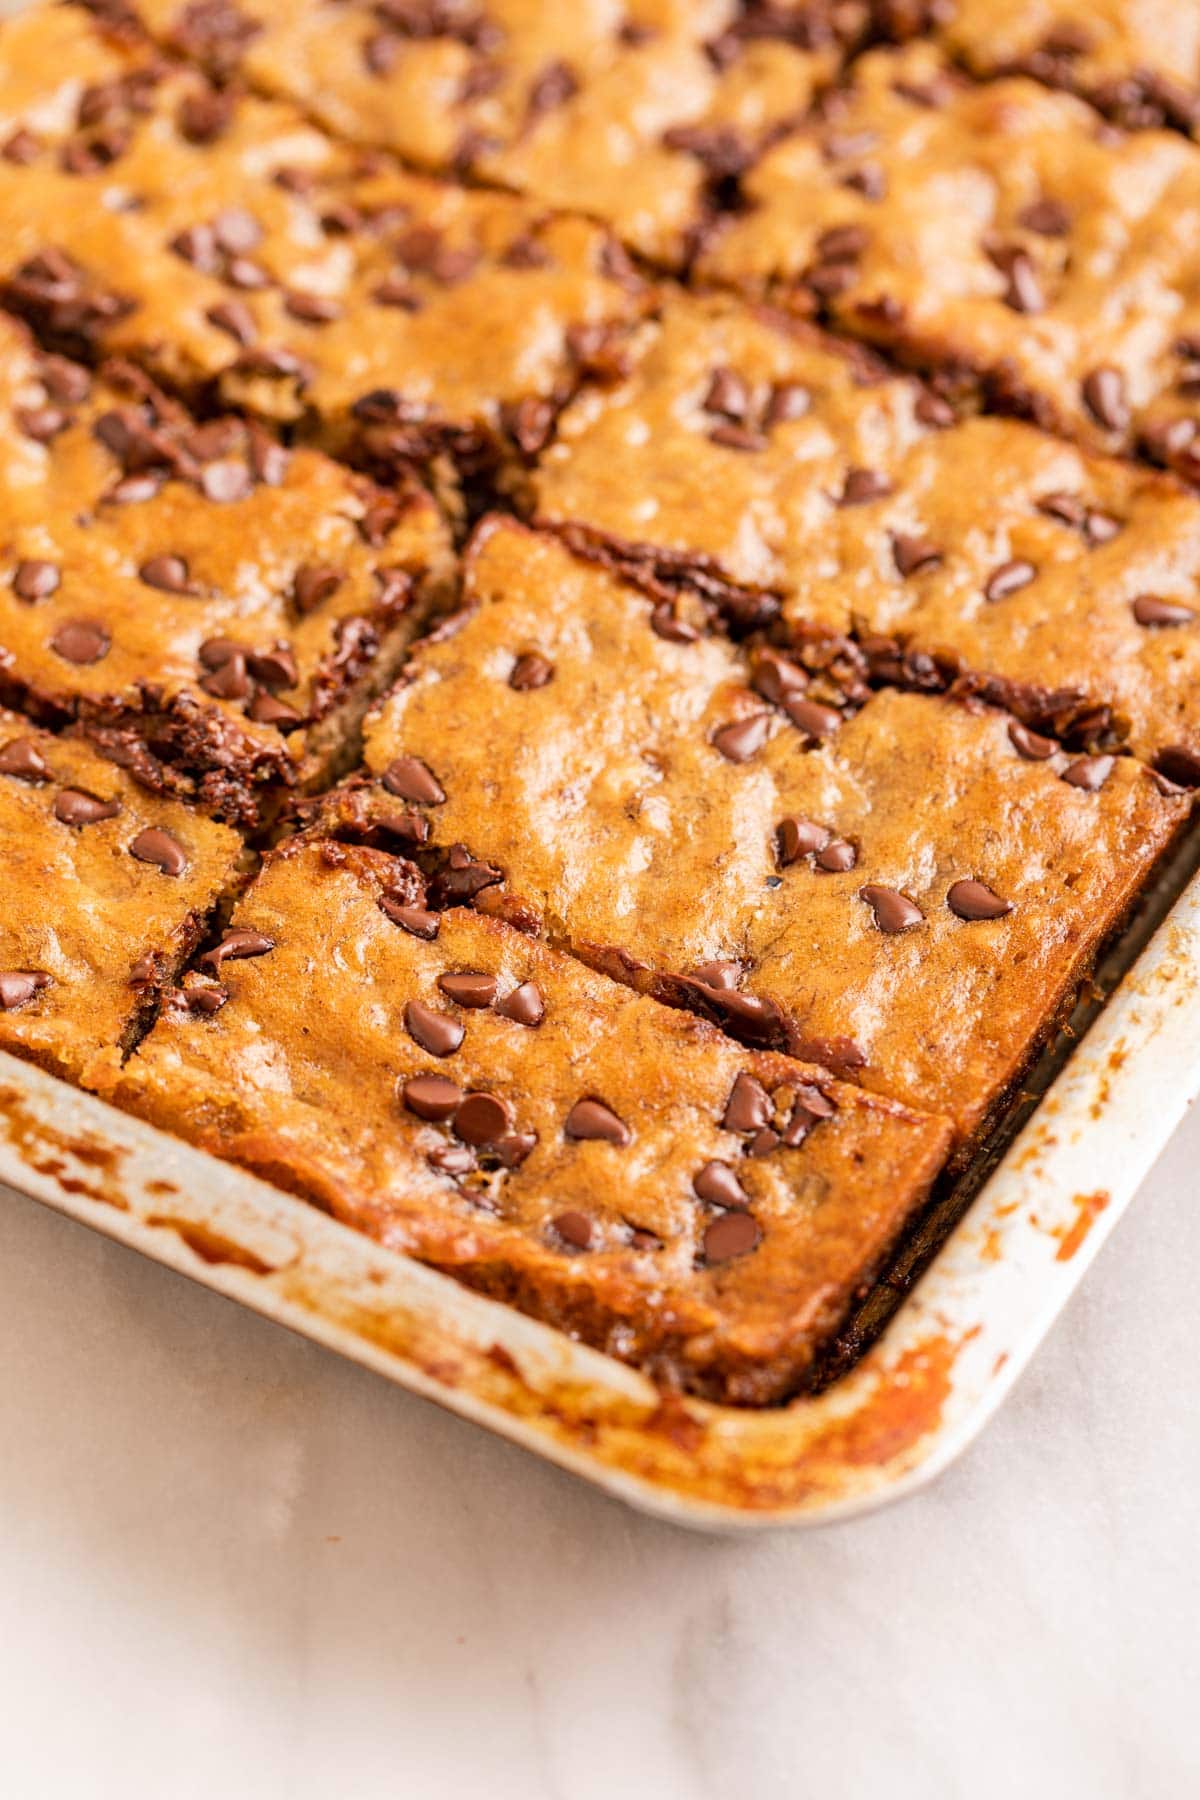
[1000, 236]
[471, 1098]
[841, 499]
[909, 894]
[232, 248]
[213, 606]
[107, 890]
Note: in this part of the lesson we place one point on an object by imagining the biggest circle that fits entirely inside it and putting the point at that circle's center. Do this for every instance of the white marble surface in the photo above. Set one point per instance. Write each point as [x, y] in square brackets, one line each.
[232, 1565]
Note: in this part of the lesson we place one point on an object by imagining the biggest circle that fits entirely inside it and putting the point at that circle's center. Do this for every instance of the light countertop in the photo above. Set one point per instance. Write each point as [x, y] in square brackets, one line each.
[231, 1564]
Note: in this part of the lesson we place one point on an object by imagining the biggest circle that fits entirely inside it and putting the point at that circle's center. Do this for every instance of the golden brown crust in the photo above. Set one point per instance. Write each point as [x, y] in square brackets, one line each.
[637, 799]
[565, 1177]
[106, 890]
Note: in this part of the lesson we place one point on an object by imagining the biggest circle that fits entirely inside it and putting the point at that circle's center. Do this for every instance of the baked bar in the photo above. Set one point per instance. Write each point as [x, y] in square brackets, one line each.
[106, 891]
[753, 449]
[909, 895]
[228, 245]
[1137, 61]
[216, 608]
[471, 1098]
[1001, 237]
[625, 112]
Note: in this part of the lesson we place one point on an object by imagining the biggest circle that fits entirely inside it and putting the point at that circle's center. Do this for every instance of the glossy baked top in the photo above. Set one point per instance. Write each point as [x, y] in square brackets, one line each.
[663, 806]
[194, 578]
[106, 888]
[467, 1095]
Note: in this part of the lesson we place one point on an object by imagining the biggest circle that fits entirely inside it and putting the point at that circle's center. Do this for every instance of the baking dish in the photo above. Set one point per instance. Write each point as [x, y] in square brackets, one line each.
[1004, 1252]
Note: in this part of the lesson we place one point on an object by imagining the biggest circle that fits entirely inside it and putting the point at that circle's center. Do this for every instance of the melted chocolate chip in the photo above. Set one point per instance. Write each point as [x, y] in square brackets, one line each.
[1104, 397]
[788, 401]
[81, 641]
[531, 670]
[799, 837]
[436, 1032]
[18, 987]
[836, 858]
[748, 1107]
[35, 580]
[411, 779]
[862, 485]
[75, 807]
[413, 919]
[728, 393]
[22, 759]
[591, 1118]
[161, 849]
[451, 1159]
[314, 583]
[511, 1150]
[914, 555]
[167, 573]
[431, 1097]
[717, 1184]
[574, 1228]
[973, 900]
[1089, 773]
[813, 720]
[469, 988]
[1008, 579]
[894, 912]
[1030, 744]
[1150, 611]
[733, 1234]
[238, 944]
[526, 1004]
[743, 739]
[482, 1119]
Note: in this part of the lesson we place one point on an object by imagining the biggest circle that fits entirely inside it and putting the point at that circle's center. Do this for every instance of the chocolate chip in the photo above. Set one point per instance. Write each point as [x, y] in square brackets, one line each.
[434, 1031]
[729, 394]
[235, 319]
[41, 423]
[451, 1159]
[237, 230]
[511, 1150]
[797, 838]
[837, 857]
[1089, 772]
[229, 679]
[81, 641]
[1148, 610]
[206, 998]
[526, 1004]
[913, 555]
[1104, 397]
[717, 1184]
[411, 779]
[666, 624]
[314, 583]
[1008, 579]
[776, 677]
[161, 849]
[748, 1107]
[1029, 744]
[482, 1119]
[972, 900]
[1024, 292]
[733, 1234]
[431, 1097]
[574, 1228]
[469, 988]
[276, 667]
[591, 1118]
[238, 944]
[1049, 218]
[1179, 765]
[35, 580]
[718, 974]
[742, 739]
[18, 987]
[413, 919]
[167, 573]
[1100, 527]
[312, 309]
[75, 807]
[862, 485]
[737, 437]
[811, 718]
[931, 409]
[788, 401]
[22, 759]
[531, 670]
[894, 912]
